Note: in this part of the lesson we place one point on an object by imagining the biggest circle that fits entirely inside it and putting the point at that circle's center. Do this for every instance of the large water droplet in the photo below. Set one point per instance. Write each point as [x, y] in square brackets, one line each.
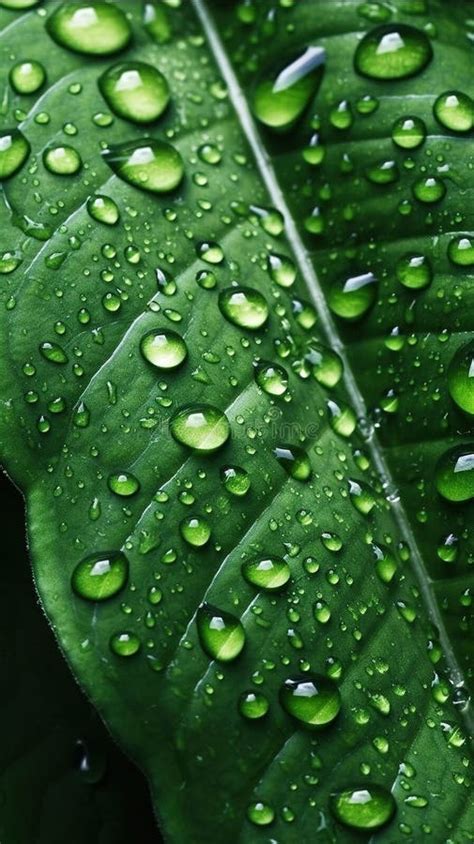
[135, 91]
[294, 460]
[93, 28]
[352, 298]
[100, 576]
[14, 150]
[363, 807]
[221, 634]
[261, 814]
[27, 77]
[236, 480]
[455, 473]
[163, 348]
[461, 251]
[455, 111]
[282, 96]
[461, 377]
[151, 165]
[414, 271]
[124, 644]
[312, 699]
[62, 160]
[201, 427]
[271, 378]
[409, 132]
[253, 705]
[393, 52]
[195, 530]
[268, 573]
[123, 484]
[244, 306]
[103, 209]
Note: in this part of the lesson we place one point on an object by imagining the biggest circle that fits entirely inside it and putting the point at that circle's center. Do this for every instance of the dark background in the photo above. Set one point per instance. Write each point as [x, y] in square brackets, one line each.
[62, 778]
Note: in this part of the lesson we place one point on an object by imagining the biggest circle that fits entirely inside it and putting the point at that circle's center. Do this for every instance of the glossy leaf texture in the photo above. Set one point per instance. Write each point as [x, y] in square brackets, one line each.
[216, 537]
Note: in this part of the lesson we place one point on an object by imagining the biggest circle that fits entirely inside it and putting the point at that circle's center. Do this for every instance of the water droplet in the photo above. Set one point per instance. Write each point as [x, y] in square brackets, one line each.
[429, 189]
[201, 427]
[253, 705]
[385, 563]
[236, 480]
[150, 165]
[261, 814]
[341, 116]
[221, 634]
[461, 378]
[135, 91]
[393, 52]
[244, 307]
[210, 251]
[124, 644]
[294, 461]
[62, 161]
[27, 77]
[326, 365]
[312, 699]
[268, 573]
[414, 272]
[123, 484]
[409, 132]
[156, 23]
[342, 418]
[100, 576]
[314, 152]
[164, 349]
[95, 29]
[103, 209]
[53, 352]
[361, 496]
[455, 473]
[282, 96]
[374, 12]
[448, 548]
[363, 807]
[383, 173]
[461, 251]
[9, 261]
[455, 110]
[195, 530]
[281, 269]
[351, 299]
[206, 279]
[271, 378]
[14, 150]
[209, 153]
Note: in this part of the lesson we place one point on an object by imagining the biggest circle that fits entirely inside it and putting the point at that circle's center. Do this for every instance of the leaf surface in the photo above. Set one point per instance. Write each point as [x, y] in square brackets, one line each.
[360, 607]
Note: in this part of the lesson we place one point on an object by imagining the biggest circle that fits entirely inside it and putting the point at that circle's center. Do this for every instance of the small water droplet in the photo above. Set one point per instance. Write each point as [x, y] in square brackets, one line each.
[268, 573]
[164, 349]
[201, 427]
[14, 150]
[62, 160]
[244, 307]
[123, 484]
[461, 378]
[455, 111]
[313, 700]
[363, 807]
[352, 299]
[294, 461]
[124, 644]
[195, 530]
[150, 165]
[27, 77]
[103, 209]
[414, 271]
[271, 378]
[409, 132]
[455, 474]
[253, 705]
[236, 480]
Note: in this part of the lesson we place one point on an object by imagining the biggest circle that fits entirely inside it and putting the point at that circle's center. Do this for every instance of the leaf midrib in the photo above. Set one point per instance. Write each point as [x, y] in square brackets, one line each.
[308, 273]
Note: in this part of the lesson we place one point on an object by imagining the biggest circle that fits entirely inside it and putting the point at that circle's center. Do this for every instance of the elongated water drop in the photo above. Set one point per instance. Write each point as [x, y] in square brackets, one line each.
[94, 28]
[268, 573]
[53, 352]
[326, 365]
[14, 150]
[135, 91]
[150, 165]
[156, 22]
[201, 427]
[352, 299]
[312, 699]
[281, 97]
[163, 348]
[27, 77]
[221, 634]
[244, 307]
[455, 473]
[461, 378]
[100, 576]
[363, 807]
[393, 52]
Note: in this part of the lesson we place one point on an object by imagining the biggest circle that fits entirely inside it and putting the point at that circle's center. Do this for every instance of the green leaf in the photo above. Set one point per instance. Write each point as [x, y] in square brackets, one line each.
[62, 776]
[175, 412]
